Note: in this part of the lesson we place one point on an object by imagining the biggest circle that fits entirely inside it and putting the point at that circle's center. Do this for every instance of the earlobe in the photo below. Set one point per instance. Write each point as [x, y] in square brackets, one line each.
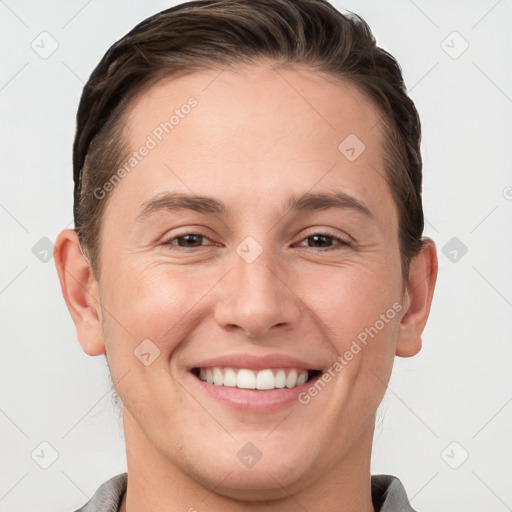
[80, 291]
[417, 299]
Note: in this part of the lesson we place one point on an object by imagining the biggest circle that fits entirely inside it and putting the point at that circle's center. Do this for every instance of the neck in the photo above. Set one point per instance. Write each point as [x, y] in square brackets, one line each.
[156, 483]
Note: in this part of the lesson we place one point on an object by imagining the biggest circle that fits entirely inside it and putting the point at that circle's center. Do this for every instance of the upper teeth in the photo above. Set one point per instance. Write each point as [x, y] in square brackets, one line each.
[249, 379]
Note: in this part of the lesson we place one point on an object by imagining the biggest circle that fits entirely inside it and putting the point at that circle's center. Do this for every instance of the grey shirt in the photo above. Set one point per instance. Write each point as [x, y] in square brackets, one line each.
[388, 495]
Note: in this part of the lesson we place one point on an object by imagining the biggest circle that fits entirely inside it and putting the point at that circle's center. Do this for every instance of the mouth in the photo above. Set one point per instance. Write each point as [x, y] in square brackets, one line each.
[262, 380]
[254, 383]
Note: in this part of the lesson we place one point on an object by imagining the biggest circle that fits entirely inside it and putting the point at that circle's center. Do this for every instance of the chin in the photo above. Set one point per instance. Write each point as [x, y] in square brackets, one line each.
[264, 480]
[257, 484]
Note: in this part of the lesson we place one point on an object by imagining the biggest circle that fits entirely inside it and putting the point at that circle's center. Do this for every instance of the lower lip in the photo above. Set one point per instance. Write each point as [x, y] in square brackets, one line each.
[254, 399]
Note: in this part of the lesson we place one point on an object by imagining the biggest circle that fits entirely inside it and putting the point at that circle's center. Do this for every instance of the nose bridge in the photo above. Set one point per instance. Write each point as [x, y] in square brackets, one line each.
[256, 269]
[256, 297]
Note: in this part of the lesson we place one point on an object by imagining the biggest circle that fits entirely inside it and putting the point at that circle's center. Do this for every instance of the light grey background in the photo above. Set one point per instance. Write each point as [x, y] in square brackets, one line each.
[453, 399]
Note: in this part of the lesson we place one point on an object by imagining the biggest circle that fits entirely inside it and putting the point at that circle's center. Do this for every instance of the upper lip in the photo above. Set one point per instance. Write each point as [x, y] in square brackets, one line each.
[252, 362]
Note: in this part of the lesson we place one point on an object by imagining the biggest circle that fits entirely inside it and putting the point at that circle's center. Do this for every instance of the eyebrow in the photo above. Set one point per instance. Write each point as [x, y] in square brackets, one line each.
[307, 202]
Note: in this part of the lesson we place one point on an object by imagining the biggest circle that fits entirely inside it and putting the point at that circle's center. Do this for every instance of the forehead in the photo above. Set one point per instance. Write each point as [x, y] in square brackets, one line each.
[256, 96]
[253, 132]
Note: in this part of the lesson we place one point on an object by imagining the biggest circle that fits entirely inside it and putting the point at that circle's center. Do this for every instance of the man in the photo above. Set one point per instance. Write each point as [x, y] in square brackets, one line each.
[248, 254]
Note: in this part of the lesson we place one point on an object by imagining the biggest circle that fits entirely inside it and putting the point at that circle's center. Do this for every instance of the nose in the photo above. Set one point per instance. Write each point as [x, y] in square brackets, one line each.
[258, 296]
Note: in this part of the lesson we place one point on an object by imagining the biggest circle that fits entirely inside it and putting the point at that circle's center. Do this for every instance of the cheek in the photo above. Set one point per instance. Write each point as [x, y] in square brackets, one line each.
[154, 301]
[360, 310]
[151, 309]
[353, 298]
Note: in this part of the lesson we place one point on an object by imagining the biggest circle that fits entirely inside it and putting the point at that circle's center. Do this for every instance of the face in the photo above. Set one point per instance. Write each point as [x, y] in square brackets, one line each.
[283, 262]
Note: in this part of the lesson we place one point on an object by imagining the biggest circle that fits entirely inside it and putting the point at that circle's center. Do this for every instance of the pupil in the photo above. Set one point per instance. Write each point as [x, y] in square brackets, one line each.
[320, 238]
[189, 239]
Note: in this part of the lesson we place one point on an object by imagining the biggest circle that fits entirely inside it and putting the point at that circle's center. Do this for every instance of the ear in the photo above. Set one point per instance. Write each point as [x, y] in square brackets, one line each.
[417, 299]
[80, 290]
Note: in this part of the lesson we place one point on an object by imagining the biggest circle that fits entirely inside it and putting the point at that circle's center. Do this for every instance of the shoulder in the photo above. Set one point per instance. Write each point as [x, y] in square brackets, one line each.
[108, 496]
[388, 494]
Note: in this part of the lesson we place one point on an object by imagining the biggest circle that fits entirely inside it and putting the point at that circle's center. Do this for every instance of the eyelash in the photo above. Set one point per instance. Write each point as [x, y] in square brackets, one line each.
[342, 243]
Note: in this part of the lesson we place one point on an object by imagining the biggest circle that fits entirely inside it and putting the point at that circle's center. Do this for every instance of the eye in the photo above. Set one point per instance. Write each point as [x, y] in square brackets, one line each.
[324, 241]
[188, 240]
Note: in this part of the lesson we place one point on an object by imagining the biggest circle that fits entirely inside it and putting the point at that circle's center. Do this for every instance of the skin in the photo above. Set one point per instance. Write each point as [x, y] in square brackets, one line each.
[256, 136]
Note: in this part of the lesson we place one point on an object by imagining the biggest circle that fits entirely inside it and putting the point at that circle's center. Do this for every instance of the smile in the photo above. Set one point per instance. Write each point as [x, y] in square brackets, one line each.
[265, 379]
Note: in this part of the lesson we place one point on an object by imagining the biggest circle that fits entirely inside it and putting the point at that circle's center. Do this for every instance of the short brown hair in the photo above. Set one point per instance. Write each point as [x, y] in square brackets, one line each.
[207, 34]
